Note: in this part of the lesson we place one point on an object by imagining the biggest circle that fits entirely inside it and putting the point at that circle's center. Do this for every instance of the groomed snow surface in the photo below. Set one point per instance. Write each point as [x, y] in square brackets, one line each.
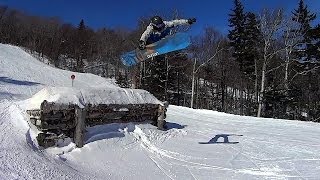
[199, 144]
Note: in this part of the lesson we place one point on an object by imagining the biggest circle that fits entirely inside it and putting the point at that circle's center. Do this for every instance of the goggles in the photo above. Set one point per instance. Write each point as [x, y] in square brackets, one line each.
[158, 26]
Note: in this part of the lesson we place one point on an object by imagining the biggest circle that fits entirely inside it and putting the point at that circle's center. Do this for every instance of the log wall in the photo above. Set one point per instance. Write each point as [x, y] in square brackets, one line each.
[61, 120]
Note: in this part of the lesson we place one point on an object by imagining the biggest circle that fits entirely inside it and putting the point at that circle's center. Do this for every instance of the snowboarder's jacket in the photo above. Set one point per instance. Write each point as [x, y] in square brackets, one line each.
[151, 35]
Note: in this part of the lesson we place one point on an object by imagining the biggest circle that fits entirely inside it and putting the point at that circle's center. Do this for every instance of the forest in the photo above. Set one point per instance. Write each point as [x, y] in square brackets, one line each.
[266, 65]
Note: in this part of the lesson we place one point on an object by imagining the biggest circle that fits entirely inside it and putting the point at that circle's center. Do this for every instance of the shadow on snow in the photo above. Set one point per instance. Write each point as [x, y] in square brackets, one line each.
[170, 125]
[224, 137]
[17, 82]
[117, 130]
[108, 131]
[7, 95]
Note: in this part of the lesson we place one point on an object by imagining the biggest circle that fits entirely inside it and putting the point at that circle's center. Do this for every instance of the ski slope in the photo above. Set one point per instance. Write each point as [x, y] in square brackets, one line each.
[199, 144]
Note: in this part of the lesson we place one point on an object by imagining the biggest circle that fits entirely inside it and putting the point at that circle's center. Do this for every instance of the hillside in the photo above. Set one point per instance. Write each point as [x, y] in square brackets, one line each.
[199, 144]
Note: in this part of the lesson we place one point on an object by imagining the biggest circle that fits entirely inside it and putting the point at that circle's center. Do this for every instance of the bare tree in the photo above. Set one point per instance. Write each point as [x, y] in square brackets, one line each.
[270, 24]
[206, 50]
[291, 39]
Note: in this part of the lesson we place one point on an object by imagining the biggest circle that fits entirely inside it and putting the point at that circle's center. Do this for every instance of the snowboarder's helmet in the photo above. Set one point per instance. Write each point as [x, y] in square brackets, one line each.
[157, 23]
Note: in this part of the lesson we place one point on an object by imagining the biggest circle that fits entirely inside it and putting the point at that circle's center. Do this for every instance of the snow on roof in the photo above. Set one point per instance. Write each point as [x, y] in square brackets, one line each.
[83, 96]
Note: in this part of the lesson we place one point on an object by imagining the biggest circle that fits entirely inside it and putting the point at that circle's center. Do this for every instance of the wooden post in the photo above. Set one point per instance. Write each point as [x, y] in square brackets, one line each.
[161, 116]
[80, 127]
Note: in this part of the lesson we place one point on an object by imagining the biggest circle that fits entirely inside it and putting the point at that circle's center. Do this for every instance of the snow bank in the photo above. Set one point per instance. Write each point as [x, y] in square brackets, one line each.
[83, 96]
[22, 75]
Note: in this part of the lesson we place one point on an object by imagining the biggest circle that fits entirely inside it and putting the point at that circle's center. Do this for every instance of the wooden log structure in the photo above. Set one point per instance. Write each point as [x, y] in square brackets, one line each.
[69, 120]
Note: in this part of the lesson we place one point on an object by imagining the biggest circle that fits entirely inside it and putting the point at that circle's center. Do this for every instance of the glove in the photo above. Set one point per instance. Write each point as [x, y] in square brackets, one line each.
[192, 20]
[142, 45]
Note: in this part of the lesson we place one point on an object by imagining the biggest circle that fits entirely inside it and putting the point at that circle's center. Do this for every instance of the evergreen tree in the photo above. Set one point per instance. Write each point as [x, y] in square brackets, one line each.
[314, 48]
[236, 35]
[304, 17]
[155, 77]
[305, 52]
[253, 39]
[244, 38]
[252, 54]
[237, 38]
[81, 26]
[82, 38]
[81, 45]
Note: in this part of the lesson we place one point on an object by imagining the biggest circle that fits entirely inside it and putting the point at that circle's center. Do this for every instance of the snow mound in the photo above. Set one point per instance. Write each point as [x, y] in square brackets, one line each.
[83, 96]
[23, 75]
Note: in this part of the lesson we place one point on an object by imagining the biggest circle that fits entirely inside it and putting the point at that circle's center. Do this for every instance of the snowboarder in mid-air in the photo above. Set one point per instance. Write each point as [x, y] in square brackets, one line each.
[156, 37]
[159, 29]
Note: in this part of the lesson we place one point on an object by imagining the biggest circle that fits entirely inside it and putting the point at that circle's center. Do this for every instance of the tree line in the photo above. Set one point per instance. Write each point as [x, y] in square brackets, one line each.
[266, 65]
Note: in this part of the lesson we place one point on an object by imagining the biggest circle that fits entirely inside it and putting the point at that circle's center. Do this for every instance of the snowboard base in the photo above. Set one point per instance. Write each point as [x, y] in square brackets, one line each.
[171, 43]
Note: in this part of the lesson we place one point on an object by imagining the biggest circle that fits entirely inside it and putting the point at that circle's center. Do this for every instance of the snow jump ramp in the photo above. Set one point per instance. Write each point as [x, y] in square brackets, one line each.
[66, 112]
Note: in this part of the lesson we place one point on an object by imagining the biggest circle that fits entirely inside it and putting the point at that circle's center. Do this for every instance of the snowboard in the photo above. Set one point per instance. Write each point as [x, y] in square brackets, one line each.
[171, 43]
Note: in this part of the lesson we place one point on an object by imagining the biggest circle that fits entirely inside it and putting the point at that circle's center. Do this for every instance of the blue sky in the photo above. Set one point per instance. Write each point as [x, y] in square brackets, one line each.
[125, 13]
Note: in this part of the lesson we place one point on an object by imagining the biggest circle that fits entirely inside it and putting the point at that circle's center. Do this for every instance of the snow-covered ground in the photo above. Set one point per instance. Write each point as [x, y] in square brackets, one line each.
[199, 144]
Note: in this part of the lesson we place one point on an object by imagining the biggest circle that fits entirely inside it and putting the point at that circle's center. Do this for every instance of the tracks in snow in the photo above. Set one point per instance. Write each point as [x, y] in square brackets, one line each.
[157, 155]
